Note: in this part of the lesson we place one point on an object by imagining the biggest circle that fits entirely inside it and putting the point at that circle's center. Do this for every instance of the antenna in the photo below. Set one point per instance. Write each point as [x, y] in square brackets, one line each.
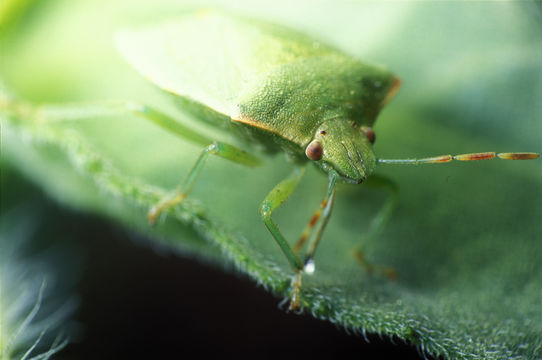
[462, 157]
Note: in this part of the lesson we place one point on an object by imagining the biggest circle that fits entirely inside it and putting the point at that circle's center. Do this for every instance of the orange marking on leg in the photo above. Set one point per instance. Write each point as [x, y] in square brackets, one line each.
[306, 232]
[165, 204]
[387, 271]
[296, 289]
[315, 218]
[318, 213]
[361, 258]
[302, 240]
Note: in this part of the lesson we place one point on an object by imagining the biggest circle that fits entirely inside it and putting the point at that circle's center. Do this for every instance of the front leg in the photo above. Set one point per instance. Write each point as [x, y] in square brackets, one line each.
[273, 200]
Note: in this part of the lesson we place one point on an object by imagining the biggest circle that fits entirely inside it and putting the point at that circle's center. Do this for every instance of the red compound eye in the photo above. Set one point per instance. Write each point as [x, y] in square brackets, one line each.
[314, 150]
[369, 132]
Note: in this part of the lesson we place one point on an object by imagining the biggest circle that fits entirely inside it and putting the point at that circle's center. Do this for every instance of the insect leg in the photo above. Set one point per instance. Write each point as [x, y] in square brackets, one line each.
[80, 111]
[216, 148]
[74, 112]
[378, 223]
[89, 110]
[324, 212]
[165, 121]
[273, 200]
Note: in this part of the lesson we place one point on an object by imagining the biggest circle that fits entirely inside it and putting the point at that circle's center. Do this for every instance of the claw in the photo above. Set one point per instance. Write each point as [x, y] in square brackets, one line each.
[387, 271]
[153, 215]
[165, 204]
[296, 287]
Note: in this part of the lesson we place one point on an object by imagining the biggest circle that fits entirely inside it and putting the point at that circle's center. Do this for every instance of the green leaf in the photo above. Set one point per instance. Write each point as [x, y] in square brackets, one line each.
[36, 276]
[466, 237]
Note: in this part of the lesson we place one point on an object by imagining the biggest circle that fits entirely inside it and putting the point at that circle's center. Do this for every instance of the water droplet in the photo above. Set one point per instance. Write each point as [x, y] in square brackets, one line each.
[309, 267]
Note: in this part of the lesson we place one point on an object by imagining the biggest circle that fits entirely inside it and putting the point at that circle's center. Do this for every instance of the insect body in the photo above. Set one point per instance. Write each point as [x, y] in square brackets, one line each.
[278, 90]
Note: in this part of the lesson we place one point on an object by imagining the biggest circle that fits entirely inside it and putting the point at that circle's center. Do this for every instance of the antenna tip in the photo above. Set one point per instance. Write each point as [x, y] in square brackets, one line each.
[519, 156]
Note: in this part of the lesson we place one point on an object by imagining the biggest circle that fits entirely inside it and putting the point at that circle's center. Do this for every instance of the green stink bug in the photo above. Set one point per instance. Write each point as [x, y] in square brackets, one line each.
[285, 92]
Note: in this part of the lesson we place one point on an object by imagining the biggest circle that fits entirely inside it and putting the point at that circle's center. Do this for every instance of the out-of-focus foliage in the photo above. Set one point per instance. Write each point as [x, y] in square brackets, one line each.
[465, 239]
[36, 277]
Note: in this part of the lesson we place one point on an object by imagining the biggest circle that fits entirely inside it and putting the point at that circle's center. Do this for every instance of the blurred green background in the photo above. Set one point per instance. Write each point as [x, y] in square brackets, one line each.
[465, 238]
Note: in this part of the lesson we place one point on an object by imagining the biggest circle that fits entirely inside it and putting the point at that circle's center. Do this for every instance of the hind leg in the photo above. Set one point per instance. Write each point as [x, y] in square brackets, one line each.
[377, 225]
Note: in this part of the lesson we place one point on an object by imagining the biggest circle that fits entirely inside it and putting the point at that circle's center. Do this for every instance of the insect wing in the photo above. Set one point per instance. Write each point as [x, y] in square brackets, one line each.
[210, 58]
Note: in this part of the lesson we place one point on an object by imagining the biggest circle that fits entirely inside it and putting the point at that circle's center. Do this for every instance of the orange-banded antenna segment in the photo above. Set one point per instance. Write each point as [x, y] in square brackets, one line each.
[462, 157]
[518, 156]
